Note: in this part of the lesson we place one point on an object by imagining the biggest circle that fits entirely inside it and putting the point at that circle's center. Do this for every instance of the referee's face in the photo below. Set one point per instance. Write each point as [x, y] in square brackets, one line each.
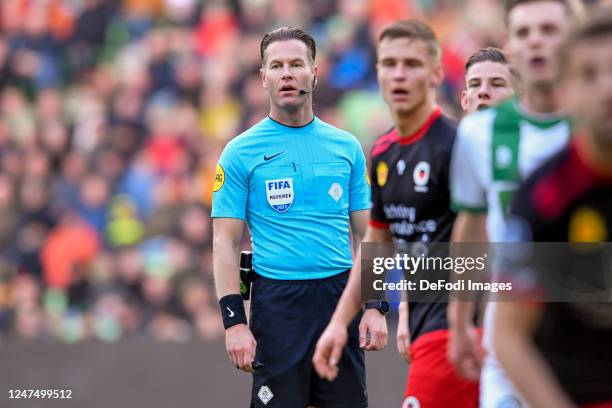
[287, 68]
[407, 73]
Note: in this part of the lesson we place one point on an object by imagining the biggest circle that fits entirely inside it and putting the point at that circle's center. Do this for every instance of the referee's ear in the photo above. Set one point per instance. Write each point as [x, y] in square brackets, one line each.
[262, 75]
[315, 72]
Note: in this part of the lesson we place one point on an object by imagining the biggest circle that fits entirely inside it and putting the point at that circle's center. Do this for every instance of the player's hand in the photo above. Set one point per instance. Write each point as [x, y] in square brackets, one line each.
[373, 330]
[329, 350]
[465, 352]
[240, 346]
[403, 333]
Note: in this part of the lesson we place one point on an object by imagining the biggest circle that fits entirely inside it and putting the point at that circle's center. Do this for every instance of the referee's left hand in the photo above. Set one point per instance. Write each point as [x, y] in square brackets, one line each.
[240, 346]
[373, 331]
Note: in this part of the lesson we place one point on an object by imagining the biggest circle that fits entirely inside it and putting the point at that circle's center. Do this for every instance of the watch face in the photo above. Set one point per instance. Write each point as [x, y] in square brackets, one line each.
[384, 306]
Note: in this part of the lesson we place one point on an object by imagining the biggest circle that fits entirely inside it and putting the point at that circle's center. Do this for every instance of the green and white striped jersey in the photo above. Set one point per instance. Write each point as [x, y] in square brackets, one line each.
[494, 151]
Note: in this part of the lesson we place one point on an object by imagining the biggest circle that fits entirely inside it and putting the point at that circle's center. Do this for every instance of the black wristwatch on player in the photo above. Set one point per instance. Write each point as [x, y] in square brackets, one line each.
[381, 305]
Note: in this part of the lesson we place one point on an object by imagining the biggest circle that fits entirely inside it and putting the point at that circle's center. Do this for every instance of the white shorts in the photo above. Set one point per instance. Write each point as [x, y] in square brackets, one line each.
[496, 390]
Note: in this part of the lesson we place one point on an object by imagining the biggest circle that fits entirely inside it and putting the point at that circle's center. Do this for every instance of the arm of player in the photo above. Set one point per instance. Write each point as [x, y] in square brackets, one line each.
[523, 364]
[373, 332]
[464, 350]
[329, 347]
[403, 329]
[239, 341]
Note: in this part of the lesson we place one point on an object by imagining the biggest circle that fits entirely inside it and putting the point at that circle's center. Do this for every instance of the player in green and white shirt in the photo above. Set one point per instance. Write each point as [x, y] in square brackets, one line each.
[495, 150]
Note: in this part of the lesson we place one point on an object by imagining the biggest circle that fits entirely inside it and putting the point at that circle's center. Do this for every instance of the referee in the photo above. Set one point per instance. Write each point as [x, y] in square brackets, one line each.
[300, 184]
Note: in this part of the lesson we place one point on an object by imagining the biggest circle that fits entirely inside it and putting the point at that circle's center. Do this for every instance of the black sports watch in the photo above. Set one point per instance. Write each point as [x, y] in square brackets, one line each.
[381, 305]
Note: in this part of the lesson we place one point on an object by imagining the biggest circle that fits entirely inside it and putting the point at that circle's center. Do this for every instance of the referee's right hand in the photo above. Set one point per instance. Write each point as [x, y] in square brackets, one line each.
[329, 350]
[240, 346]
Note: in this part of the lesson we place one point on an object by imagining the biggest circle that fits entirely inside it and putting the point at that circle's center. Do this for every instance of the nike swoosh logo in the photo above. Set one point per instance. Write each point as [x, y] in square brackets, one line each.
[231, 313]
[266, 158]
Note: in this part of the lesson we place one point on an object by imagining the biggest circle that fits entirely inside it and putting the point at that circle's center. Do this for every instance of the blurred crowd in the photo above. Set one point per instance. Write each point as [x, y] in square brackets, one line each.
[112, 117]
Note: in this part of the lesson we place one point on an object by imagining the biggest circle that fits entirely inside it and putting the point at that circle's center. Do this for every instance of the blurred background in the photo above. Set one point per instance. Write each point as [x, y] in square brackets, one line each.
[112, 117]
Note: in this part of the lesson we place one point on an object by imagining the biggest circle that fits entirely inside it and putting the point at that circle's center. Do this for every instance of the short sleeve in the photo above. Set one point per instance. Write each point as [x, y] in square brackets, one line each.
[231, 186]
[377, 214]
[359, 194]
[467, 190]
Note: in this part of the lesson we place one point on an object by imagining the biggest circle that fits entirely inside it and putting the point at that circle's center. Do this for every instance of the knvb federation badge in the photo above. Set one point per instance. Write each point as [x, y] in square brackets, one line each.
[265, 394]
[279, 193]
[335, 191]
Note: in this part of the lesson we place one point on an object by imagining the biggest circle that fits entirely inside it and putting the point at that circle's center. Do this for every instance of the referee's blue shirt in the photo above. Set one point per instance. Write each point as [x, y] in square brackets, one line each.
[295, 188]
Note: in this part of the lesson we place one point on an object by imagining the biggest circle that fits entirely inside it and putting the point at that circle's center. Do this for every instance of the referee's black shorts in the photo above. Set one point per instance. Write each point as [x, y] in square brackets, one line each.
[287, 318]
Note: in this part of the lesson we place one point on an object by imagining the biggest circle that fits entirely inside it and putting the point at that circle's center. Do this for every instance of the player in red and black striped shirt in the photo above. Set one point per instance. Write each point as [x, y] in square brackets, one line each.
[411, 207]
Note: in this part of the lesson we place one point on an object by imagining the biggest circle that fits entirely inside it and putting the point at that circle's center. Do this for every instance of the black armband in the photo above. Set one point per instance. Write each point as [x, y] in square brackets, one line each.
[232, 310]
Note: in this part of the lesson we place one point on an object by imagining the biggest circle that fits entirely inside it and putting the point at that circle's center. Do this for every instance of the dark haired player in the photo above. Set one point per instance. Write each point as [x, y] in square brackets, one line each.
[558, 354]
[299, 183]
[411, 202]
[489, 79]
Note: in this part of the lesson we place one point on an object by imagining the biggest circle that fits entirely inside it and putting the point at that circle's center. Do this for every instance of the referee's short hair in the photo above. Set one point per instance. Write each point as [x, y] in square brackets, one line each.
[413, 29]
[285, 34]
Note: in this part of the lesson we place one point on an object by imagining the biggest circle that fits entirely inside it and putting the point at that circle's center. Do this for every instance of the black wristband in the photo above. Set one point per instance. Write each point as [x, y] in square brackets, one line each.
[232, 310]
